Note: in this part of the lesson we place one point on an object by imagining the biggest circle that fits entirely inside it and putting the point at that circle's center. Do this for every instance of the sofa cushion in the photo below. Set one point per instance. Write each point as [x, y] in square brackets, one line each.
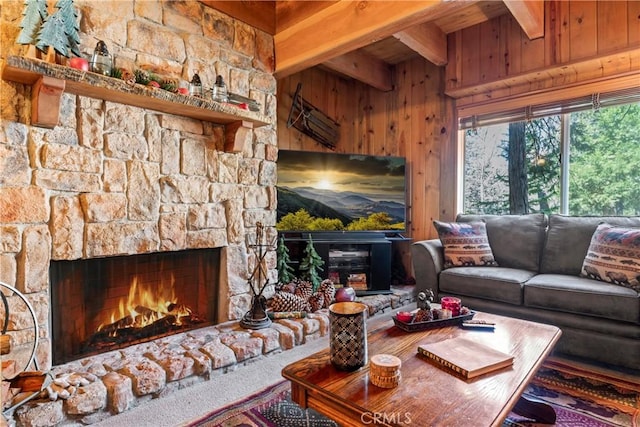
[568, 239]
[465, 244]
[516, 240]
[494, 283]
[572, 294]
[614, 256]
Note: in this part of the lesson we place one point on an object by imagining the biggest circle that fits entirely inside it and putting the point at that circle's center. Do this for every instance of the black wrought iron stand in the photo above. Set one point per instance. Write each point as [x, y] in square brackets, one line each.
[257, 317]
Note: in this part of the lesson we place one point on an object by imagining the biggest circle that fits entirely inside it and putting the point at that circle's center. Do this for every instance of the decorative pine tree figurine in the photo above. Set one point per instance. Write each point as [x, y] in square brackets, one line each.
[69, 17]
[311, 264]
[284, 269]
[35, 12]
[52, 34]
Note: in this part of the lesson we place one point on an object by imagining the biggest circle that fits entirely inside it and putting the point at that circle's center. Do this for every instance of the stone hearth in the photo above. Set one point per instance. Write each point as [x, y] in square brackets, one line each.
[89, 390]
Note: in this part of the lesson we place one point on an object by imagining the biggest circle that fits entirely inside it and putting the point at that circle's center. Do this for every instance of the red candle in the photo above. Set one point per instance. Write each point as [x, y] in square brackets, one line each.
[451, 303]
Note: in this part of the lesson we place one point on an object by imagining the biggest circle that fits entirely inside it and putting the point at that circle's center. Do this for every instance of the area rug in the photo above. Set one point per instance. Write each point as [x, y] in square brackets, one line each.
[580, 398]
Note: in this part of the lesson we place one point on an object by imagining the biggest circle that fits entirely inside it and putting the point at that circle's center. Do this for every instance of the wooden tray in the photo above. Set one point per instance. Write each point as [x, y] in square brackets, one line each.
[431, 324]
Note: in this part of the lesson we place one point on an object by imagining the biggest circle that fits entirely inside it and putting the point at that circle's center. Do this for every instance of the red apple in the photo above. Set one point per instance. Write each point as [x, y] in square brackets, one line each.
[183, 90]
[79, 63]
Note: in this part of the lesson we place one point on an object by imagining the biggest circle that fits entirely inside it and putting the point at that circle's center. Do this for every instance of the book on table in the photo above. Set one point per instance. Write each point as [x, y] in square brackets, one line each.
[464, 356]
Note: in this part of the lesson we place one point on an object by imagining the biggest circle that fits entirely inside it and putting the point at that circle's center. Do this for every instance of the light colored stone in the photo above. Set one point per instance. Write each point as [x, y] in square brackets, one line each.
[228, 168]
[90, 127]
[286, 337]
[253, 216]
[223, 192]
[210, 238]
[296, 327]
[179, 189]
[104, 207]
[177, 367]
[323, 321]
[170, 162]
[193, 158]
[67, 117]
[119, 392]
[217, 26]
[79, 182]
[269, 337]
[173, 231]
[264, 82]
[14, 164]
[161, 66]
[8, 268]
[23, 205]
[66, 227]
[153, 135]
[41, 414]
[235, 224]
[184, 16]
[268, 173]
[202, 47]
[147, 376]
[98, 22]
[233, 59]
[143, 191]
[211, 215]
[149, 9]
[70, 158]
[155, 40]
[264, 59]
[105, 239]
[239, 305]
[115, 175]
[33, 260]
[13, 133]
[201, 363]
[88, 399]
[256, 197]
[239, 82]
[57, 135]
[9, 238]
[181, 123]
[248, 171]
[126, 147]
[220, 355]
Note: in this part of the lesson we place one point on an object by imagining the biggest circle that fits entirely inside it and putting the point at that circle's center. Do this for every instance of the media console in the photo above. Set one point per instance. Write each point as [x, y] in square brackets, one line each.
[360, 259]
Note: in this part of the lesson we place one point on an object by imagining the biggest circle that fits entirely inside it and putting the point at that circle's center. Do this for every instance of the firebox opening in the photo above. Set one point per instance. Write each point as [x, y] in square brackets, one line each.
[104, 304]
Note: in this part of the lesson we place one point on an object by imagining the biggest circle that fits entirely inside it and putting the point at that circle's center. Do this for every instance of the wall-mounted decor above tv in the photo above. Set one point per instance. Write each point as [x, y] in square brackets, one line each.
[322, 191]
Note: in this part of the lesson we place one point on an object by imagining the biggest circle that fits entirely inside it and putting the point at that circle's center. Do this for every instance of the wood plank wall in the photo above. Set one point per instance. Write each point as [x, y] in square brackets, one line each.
[414, 120]
[584, 40]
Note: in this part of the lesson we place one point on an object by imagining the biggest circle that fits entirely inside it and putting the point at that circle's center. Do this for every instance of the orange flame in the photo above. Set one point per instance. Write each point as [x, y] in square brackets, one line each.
[143, 306]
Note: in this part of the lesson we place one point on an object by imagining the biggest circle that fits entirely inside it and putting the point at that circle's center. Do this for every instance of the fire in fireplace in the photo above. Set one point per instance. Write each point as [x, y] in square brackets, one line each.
[104, 304]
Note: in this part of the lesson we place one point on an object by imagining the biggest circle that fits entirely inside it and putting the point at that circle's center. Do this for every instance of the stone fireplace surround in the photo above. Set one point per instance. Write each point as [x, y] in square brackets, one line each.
[113, 179]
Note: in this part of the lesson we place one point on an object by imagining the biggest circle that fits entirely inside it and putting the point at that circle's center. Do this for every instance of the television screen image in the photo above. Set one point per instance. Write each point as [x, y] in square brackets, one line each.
[320, 191]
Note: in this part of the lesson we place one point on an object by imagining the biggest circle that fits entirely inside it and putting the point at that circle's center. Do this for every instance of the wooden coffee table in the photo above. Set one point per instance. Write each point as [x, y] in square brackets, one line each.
[428, 395]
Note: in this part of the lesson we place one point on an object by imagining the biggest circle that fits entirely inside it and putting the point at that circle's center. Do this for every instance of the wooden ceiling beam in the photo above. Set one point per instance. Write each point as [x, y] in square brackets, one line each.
[364, 68]
[530, 16]
[426, 39]
[349, 25]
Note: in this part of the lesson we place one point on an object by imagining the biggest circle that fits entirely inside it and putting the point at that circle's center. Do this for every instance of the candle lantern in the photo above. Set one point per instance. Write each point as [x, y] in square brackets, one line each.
[101, 61]
[195, 86]
[348, 335]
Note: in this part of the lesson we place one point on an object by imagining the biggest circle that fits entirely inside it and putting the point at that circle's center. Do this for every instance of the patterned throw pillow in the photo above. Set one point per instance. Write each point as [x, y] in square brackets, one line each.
[465, 244]
[614, 256]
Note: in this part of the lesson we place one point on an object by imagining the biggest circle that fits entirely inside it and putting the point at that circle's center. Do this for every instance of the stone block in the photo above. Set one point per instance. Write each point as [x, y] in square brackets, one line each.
[23, 205]
[296, 327]
[105, 239]
[88, 399]
[8, 268]
[153, 135]
[201, 363]
[217, 26]
[286, 336]
[67, 227]
[173, 231]
[126, 147]
[70, 158]
[170, 162]
[119, 392]
[14, 164]
[220, 355]
[310, 325]
[256, 197]
[180, 189]
[114, 177]
[156, 40]
[33, 260]
[209, 215]
[248, 171]
[41, 414]
[193, 159]
[323, 322]
[146, 375]
[103, 207]
[264, 59]
[181, 124]
[268, 174]
[13, 133]
[270, 338]
[235, 224]
[9, 238]
[209, 238]
[78, 182]
[143, 191]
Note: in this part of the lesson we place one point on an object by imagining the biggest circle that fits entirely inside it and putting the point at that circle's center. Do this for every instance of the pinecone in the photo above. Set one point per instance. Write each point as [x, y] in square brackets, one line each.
[316, 301]
[142, 77]
[286, 287]
[169, 85]
[284, 301]
[304, 290]
[328, 290]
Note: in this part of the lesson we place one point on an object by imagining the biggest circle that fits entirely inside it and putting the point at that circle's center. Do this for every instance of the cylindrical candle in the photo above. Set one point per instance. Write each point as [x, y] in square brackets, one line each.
[348, 335]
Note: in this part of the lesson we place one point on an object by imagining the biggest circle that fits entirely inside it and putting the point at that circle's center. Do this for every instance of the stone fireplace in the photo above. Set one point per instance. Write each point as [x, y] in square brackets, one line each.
[104, 304]
[113, 180]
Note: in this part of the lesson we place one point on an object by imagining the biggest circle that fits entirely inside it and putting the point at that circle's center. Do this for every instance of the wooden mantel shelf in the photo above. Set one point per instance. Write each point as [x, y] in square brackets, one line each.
[49, 81]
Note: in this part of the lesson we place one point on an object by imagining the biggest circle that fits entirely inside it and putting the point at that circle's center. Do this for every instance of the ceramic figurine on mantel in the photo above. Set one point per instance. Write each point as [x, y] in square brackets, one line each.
[55, 33]
[256, 317]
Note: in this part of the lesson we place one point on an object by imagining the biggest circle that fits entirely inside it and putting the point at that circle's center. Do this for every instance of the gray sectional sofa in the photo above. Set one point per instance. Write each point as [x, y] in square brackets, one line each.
[538, 278]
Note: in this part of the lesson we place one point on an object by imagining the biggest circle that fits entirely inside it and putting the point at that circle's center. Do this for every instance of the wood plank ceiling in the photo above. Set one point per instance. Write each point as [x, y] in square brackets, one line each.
[364, 39]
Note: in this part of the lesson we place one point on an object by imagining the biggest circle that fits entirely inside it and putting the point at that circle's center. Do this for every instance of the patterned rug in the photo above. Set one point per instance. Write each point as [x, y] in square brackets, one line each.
[580, 398]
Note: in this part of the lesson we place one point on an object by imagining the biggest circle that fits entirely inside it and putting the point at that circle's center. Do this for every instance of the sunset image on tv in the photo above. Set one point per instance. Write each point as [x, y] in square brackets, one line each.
[320, 191]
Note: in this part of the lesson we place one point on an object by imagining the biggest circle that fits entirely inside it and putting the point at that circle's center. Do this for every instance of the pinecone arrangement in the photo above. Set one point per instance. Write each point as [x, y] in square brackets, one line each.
[299, 296]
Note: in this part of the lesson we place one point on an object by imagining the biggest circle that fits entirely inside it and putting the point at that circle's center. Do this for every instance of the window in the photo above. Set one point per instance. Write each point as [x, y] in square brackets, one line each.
[576, 161]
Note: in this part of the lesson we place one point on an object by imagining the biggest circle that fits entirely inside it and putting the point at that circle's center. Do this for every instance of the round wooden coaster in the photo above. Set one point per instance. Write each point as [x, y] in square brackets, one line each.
[385, 381]
[385, 365]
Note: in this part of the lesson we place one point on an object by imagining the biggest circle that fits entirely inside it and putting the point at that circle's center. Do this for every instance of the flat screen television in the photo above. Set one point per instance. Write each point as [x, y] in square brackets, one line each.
[322, 191]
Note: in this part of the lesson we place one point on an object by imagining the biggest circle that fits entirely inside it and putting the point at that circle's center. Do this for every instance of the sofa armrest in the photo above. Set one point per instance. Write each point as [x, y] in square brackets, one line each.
[427, 257]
